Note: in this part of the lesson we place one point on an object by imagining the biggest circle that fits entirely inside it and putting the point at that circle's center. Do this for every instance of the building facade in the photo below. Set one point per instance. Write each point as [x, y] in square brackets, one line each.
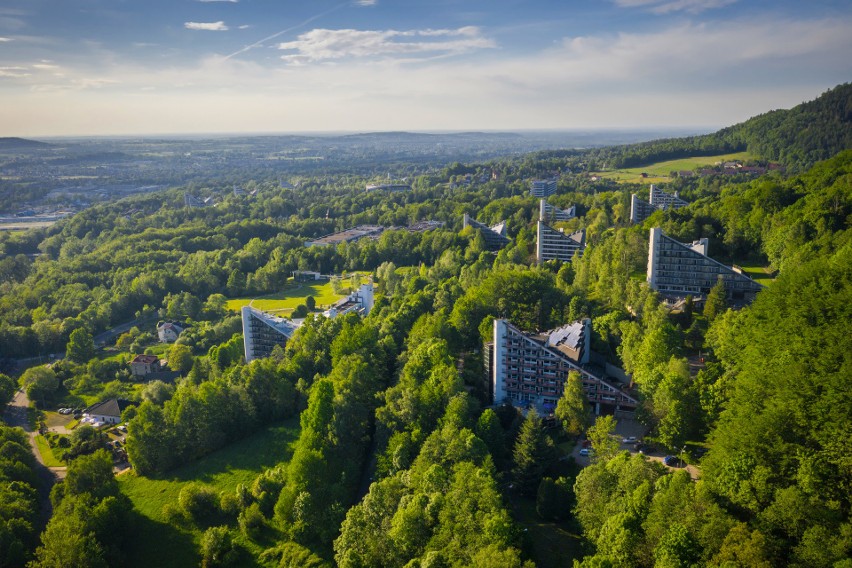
[530, 370]
[262, 332]
[641, 210]
[553, 244]
[677, 270]
[142, 365]
[550, 214]
[495, 237]
[542, 187]
[662, 200]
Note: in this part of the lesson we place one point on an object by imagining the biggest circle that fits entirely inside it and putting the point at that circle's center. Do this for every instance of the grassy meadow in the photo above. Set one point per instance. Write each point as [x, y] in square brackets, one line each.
[284, 302]
[157, 543]
[659, 171]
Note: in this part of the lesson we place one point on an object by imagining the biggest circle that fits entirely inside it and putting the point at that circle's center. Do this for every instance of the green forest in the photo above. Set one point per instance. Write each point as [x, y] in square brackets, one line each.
[394, 453]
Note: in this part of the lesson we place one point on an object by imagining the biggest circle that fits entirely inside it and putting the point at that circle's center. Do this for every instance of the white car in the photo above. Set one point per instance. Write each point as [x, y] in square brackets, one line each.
[630, 440]
[586, 452]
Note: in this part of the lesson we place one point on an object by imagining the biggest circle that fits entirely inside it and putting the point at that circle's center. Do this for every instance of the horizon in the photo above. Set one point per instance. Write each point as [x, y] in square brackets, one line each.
[679, 130]
[222, 67]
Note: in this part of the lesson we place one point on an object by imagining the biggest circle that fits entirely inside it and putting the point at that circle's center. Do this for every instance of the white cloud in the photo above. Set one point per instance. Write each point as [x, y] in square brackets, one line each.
[244, 26]
[365, 2]
[14, 72]
[229, 1]
[5, 39]
[667, 6]
[206, 26]
[683, 74]
[323, 44]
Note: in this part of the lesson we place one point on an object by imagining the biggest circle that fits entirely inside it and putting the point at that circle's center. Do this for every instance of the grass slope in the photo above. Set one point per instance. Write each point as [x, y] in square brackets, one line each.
[159, 544]
[659, 172]
[295, 294]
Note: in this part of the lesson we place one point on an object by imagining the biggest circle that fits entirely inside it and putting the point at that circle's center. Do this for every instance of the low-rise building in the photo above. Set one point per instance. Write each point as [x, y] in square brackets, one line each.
[529, 370]
[347, 236]
[168, 331]
[142, 365]
[677, 270]
[359, 301]
[105, 412]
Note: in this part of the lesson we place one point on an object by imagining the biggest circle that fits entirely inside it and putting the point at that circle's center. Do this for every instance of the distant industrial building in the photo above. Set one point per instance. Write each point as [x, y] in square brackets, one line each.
[389, 187]
[529, 370]
[495, 236]
[550, 214]
[641, 210]
[262, 332]
[677, 270]
[423, 226]
[542, 187]
[347, 236]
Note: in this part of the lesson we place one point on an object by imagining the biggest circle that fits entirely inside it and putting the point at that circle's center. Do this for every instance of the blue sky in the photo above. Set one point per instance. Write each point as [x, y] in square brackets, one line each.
[80, 67]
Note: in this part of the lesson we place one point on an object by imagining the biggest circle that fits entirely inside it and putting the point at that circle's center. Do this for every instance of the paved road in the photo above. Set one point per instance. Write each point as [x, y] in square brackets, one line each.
[16, 415]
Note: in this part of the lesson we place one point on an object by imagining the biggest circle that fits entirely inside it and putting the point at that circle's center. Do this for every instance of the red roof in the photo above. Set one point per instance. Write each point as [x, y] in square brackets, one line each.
[147, 359]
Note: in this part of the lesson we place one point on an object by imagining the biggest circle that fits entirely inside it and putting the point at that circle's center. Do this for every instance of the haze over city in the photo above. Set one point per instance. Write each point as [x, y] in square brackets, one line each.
[101, 67]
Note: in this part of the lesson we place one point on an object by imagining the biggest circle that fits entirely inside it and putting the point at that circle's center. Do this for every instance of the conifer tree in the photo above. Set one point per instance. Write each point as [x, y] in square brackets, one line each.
[534, 452]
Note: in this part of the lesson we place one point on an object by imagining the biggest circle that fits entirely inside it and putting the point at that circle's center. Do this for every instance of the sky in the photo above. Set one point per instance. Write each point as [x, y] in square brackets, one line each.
[127, 67]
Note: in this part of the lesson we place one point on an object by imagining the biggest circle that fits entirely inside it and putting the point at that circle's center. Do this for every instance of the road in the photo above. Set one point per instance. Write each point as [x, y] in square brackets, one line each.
[16, 415]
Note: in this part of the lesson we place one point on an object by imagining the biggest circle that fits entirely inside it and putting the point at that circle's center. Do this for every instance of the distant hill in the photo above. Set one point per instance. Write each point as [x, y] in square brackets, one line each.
[798, 137]
[11, 143]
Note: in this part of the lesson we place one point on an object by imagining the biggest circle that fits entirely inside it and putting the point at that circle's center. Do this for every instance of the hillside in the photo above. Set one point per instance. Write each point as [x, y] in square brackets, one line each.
[798, 137]
[12, 143]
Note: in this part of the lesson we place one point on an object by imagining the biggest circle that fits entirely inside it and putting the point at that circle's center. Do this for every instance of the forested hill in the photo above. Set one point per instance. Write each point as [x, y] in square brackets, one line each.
[798, 137]
[12, 143]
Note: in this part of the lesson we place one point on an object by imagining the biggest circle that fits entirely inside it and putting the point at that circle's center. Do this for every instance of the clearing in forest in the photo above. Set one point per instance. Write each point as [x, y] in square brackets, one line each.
[659, 172]
[158, 544]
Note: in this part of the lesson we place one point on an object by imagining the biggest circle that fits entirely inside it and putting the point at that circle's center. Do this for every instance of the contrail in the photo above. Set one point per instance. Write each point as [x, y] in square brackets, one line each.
[290, 29]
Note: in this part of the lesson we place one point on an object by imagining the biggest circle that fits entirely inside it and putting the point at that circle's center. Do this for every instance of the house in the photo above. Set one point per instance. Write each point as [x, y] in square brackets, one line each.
[142, 365]
[105, 412]
[168, 331]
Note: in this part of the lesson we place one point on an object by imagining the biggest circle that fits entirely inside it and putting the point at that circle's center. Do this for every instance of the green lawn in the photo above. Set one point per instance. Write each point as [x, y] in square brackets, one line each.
[46, 452]
[762, 274]
[293, 295]
[159, 544]
[659, 171]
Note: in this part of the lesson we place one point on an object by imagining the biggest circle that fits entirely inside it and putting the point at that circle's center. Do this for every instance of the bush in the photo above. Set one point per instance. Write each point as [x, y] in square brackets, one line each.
[217, 548]
[252, 521]
[199, 502]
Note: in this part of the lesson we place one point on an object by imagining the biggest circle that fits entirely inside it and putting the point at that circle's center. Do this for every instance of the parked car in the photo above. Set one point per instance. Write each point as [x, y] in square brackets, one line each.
[672, 461]
[629, 440]
[586, 452]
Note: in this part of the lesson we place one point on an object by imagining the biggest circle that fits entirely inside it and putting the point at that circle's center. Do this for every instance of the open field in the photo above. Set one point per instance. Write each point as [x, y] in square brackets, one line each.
[47, 455]
[294, 294]
[24, 226]
[761, 274]
[659, 172]
[158, 544]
